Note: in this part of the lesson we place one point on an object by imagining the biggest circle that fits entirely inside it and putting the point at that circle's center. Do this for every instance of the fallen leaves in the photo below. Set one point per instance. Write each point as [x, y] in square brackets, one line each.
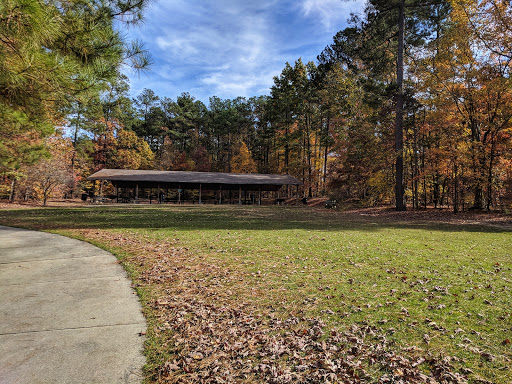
[207, 334]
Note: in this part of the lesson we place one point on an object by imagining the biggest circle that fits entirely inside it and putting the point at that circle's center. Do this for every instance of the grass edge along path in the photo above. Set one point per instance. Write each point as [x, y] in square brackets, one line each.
[205, 326]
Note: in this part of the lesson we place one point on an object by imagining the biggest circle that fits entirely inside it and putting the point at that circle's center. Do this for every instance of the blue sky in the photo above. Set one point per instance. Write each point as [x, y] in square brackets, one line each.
[230, 48]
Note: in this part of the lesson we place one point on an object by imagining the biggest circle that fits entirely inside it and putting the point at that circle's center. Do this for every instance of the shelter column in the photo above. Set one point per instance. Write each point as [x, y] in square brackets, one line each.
[200, 193]
[220, 194]
[117, 193]
[297, 196]
[240, 195]
[259, 196]
[137, 193]
[179, 193]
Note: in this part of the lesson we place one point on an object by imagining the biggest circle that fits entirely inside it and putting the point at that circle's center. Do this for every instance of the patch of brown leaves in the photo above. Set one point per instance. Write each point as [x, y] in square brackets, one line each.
[210, 333]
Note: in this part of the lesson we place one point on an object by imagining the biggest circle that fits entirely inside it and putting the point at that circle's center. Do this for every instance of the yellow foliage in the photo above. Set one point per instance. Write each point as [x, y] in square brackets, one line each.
[243, 161]
[132, 152]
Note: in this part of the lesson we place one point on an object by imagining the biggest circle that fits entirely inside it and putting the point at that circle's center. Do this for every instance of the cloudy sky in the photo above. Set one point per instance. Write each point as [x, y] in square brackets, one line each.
[231, 48]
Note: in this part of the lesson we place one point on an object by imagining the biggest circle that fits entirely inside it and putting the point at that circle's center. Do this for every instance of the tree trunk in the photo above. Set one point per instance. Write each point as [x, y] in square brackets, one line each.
[326, 152]
[399, 129]
[416, 166]
[462, 200]
[475, 138]
[489, 176]
[443, 193]
[436, 190]
[230, 156]
[308, 158]
[267, 159]
[13, 190]
[286, 147]
[424, 175]
[73, 158]
[455, 187]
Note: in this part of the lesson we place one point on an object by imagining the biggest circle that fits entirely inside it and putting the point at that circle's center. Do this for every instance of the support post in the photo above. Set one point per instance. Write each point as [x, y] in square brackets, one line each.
[259, 196]
[179, 194]
[200, 194]
[297, 196]
[117, 193]
[240, 195]
[220, 195]
[136, 193]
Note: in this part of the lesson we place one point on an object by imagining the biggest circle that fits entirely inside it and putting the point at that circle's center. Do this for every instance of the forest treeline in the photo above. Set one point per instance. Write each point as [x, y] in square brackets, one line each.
[345, 125]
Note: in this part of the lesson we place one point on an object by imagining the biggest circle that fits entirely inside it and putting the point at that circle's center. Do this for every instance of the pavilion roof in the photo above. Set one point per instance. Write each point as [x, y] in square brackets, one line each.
[126, 175]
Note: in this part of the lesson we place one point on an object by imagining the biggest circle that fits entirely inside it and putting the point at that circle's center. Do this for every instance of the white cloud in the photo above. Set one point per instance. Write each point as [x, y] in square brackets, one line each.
[238, 84]
[229, 44]
[231, 48]
[332, 13]
[177, 46]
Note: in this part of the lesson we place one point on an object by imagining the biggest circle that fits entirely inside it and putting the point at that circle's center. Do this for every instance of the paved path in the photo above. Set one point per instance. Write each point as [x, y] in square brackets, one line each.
[67, 313]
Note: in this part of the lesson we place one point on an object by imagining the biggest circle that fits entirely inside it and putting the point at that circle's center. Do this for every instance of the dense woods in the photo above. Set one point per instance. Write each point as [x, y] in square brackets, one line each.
[409, 105]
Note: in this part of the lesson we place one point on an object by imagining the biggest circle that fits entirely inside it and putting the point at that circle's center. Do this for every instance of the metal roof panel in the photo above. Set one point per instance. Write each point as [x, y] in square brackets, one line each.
[193, 177]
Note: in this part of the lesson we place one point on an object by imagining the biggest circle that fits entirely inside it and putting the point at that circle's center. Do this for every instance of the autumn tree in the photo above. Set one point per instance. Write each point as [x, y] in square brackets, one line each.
[51, 175]
[130, 152]
[243, 162]
[115, 147]
[468, 78]
[376, 45]
[50, 52]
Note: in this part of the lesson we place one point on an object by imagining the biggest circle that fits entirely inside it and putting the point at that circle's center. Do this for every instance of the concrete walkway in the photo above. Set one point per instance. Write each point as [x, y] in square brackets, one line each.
[67, 313]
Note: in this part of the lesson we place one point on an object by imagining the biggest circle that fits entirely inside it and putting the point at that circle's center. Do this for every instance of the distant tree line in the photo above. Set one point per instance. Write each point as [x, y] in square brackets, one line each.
[409, 105]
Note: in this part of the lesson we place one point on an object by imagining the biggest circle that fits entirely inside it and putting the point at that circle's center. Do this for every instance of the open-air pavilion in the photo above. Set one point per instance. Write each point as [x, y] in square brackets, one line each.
[131, 185]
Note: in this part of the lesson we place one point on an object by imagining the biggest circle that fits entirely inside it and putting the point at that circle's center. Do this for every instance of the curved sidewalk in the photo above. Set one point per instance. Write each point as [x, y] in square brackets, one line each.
[67, 313]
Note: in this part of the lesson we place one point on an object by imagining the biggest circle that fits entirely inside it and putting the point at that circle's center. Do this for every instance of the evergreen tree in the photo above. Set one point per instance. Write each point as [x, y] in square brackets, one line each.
[51, 52]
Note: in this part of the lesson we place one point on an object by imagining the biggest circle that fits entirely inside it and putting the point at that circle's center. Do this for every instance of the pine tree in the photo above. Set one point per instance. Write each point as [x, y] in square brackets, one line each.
[50, 53]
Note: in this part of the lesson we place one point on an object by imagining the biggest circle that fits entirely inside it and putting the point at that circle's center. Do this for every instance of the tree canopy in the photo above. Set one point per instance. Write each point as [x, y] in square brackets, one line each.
[52, 53]
[409, 105]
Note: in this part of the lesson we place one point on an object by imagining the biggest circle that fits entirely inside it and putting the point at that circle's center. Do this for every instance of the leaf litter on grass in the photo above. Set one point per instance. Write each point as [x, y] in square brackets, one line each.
[205, 333]
[402, 276]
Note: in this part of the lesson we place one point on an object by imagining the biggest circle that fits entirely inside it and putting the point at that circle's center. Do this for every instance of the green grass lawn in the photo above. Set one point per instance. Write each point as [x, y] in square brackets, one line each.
[306, 295]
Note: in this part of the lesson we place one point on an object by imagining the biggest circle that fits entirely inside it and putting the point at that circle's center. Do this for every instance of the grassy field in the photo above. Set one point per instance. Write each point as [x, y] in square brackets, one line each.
[285, 294]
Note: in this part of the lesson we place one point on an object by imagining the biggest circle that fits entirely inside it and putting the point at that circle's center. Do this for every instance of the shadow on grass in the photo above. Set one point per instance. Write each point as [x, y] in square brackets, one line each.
[221, 218]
